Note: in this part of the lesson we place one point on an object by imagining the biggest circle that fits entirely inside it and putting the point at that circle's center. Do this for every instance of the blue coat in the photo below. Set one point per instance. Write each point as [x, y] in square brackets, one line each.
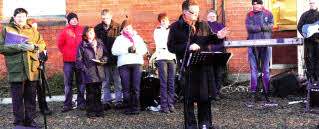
[91, 71]
[259, 24]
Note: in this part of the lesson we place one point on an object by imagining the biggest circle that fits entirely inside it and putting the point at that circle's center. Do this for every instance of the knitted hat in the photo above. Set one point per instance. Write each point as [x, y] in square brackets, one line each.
[258, 1]
[70, 16]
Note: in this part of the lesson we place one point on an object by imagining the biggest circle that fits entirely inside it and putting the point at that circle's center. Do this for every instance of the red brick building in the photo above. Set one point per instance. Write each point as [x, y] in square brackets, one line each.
[144, 15]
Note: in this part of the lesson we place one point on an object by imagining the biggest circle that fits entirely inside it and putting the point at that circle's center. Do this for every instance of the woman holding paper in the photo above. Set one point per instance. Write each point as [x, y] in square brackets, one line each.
[90, 58]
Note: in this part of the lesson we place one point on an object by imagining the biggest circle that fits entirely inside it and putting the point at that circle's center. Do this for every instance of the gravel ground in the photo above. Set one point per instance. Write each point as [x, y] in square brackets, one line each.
[228, 113]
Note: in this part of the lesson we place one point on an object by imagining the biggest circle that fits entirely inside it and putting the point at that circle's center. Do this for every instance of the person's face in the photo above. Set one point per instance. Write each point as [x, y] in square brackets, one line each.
[21, 19]
[35, 26]
[211, 17]
[257, 6]
[192, 12]
[74, 21]
[313, 4]
[165, 22]
[91, 34]
[106, 18]
[128, 29]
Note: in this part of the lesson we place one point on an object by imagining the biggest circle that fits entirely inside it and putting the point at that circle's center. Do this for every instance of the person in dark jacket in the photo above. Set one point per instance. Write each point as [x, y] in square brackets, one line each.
[217, 47]
[90, 58]
[311, 49]
[107, 31]
[259, 24]
[199, 85]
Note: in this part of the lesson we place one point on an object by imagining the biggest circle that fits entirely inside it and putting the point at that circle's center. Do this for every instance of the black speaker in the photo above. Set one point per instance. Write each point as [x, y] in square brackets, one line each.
[283, 84]
[314, 95]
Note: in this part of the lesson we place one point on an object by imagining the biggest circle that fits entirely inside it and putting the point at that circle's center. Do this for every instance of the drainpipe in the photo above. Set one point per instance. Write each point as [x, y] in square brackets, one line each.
[223, 6]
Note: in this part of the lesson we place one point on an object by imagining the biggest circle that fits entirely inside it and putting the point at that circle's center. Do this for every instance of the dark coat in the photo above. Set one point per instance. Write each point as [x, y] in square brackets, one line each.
[92, 71]
[177, 41]
[178, 37]
[259, 24]
[309, 17]
[108, 37]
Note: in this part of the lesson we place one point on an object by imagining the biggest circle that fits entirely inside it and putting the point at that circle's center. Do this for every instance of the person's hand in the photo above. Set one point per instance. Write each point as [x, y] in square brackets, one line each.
[223, 33]
[26, 46]
[131, 49]
[194, 47]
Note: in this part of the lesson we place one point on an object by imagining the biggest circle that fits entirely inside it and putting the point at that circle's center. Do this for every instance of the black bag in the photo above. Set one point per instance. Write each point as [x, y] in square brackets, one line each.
[283, 84]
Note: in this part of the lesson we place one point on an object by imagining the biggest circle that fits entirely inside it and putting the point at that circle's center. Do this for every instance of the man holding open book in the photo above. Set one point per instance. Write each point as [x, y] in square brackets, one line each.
[19, 43]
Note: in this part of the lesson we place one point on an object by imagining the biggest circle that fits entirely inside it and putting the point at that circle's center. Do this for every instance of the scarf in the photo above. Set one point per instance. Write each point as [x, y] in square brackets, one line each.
[129, 37]
[190, 23]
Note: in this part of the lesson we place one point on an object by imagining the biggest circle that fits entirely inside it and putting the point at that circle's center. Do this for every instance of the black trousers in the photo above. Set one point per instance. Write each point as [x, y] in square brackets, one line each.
[199, 87]
[311, 52]
[94, 104]
[23, 101]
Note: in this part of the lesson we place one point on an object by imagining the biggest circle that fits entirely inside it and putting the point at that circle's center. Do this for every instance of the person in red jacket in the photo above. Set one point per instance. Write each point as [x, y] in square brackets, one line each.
[69, 39]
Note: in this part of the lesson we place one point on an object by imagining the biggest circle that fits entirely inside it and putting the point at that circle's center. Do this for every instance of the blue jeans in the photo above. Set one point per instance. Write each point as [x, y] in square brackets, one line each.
[254, 69]
[167, 71]
[131, 80]
[106, 85]
[69, 71]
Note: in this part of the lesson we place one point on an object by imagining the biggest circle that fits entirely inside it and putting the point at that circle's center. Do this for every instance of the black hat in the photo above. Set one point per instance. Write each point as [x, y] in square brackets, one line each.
[71, 15]
[258, 1]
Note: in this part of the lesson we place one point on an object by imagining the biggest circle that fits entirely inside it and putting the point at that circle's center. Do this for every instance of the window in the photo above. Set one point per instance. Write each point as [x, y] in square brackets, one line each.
[35, 7]
[285, 13]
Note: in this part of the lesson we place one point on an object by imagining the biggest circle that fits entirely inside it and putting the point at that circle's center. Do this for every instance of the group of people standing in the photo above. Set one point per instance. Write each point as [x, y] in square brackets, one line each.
[110, 51]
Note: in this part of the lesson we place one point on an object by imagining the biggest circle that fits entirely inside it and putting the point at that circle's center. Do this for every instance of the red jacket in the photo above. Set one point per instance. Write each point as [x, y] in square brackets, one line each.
[69, 39]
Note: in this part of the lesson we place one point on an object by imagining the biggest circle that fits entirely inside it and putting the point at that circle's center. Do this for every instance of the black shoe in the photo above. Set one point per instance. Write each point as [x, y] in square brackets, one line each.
[164, 111]
[107, 106]
[90, 115]
[33, 124]
[99, 115]
[135, 112]
[217, 98]
[46, 112]
[171, 109]
[119, 106]
[66, 109]
[81, 108]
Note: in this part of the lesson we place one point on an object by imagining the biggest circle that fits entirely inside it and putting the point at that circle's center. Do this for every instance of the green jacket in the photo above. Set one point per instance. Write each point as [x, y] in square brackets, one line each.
[21, 65]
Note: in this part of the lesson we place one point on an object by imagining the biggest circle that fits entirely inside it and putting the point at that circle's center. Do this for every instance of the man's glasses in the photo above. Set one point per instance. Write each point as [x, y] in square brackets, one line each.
[192, 12]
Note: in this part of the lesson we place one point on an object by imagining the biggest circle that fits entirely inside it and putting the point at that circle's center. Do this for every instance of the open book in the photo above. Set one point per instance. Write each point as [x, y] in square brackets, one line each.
[14, 38]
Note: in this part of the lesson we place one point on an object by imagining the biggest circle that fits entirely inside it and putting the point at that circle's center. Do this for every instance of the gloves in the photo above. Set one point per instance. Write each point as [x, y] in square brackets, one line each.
[26, 46]
[131, 49]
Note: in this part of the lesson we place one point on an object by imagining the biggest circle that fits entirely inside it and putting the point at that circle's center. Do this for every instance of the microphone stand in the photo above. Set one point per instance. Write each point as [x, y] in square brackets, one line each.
[187, 85]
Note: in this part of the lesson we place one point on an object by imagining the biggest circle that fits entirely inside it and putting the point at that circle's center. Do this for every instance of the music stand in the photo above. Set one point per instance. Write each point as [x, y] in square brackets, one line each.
[208, 58]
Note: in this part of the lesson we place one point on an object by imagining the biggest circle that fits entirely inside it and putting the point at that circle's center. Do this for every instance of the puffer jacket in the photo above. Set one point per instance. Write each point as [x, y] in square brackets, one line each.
[120, 49]
[68, 41]
[259, 24]
[92, 71]
[21, 65]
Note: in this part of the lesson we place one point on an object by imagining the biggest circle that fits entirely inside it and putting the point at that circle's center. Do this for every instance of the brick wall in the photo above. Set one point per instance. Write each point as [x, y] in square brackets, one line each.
[144, 15]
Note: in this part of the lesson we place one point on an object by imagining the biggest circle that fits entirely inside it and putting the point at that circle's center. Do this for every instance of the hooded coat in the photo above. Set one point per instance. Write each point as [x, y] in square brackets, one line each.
[21, 65]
